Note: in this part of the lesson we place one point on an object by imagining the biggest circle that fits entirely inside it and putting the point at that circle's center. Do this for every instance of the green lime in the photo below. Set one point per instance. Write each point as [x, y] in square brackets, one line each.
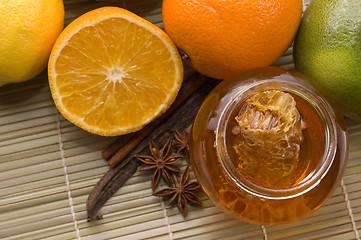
[328, 49]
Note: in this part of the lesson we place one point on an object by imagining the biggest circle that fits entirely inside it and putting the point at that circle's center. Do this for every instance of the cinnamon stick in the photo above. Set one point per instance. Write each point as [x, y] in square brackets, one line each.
[109, 151]
[127, 143]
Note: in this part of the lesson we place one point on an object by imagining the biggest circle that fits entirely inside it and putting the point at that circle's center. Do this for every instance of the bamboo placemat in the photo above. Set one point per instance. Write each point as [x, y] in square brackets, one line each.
[48, 166]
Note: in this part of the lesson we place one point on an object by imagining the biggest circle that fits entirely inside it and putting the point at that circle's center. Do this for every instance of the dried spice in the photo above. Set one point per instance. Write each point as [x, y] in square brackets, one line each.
[120, 153]
[181, 145]
[162, 161]
[182, 192]
[107, 186]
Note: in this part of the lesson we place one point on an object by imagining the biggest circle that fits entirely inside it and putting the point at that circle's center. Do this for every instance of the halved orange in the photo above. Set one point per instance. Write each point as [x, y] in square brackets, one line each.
[112, 72]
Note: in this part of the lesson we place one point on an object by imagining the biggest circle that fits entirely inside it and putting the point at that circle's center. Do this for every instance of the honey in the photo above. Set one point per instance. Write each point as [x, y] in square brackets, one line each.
[267, 140]
[263, 165]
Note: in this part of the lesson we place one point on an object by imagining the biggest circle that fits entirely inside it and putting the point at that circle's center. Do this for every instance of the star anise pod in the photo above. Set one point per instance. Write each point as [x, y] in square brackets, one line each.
[160, 160]
[182, 193]
[182, 142]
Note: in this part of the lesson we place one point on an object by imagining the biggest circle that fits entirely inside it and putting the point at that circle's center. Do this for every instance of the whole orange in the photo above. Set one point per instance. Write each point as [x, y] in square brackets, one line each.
[222, 37]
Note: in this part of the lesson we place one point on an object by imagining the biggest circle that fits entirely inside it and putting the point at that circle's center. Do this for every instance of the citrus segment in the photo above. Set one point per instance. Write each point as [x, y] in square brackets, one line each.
[112, 72]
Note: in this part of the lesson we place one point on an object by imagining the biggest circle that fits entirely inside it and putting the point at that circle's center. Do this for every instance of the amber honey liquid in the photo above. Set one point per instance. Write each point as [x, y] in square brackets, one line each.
[262, 196]
[259, 210]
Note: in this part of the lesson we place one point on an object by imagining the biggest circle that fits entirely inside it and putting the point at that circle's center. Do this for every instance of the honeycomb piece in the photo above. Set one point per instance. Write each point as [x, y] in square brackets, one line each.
[270, 136]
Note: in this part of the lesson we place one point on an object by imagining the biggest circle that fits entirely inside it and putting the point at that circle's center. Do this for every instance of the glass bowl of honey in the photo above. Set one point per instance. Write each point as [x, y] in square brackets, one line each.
[268, 146]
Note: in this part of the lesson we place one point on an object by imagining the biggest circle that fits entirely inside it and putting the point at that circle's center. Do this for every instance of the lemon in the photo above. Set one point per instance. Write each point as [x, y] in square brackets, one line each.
[328, 49]
[28, 30]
